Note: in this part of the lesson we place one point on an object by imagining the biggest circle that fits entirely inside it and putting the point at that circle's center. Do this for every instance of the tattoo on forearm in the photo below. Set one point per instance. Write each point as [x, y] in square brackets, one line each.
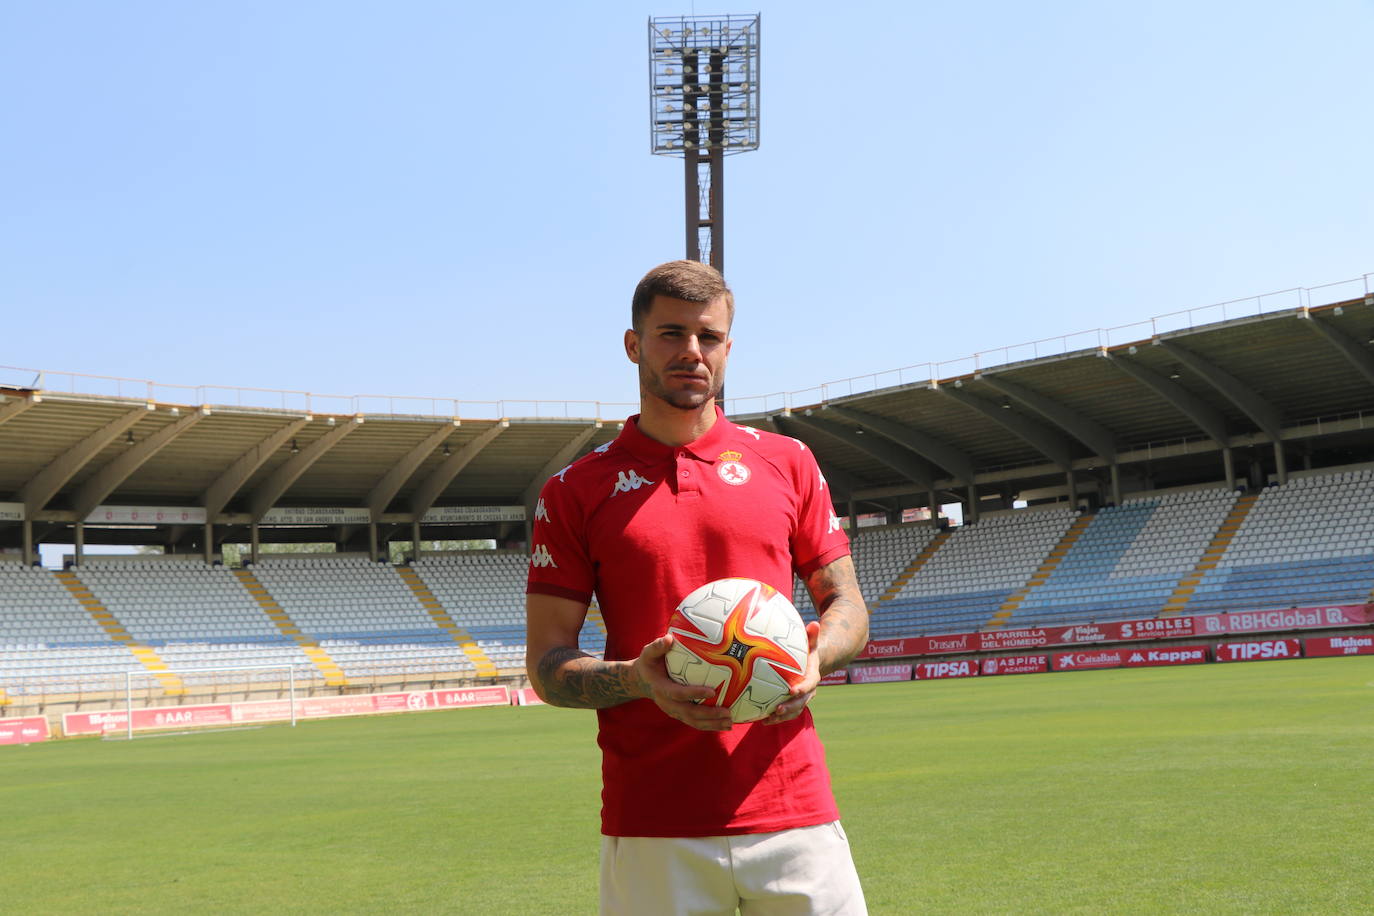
[576, 679]
[844, 616]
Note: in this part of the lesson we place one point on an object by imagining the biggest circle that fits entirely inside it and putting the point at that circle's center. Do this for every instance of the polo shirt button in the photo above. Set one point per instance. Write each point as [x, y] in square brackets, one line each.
[686, 473]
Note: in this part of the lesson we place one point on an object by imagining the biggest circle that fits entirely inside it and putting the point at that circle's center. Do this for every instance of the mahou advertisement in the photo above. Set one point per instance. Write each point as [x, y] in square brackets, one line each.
[28, 730]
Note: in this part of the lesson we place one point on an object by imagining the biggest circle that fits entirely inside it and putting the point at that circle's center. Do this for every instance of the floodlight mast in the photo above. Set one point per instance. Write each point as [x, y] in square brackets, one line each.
[704, 106]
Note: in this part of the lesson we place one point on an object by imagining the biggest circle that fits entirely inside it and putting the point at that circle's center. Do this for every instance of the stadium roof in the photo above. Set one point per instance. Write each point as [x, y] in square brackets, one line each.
[1171, 408]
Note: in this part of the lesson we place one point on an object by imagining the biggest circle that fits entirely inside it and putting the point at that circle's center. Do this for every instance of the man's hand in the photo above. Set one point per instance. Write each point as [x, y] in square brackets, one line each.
[677, 700]
[801, 692]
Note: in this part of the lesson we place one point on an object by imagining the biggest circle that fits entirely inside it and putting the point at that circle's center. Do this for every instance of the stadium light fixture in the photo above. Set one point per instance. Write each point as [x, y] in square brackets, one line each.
[129, 437]
[447, 451]
[1006, 403]
[295, 449]
[1176, 372]
[703, 106]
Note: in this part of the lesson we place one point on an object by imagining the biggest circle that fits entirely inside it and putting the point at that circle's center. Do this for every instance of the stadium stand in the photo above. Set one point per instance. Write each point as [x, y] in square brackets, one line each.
[192, 615]
[484, 592]
[880, 554]
[1308, 542]
[49, 642]
[362, 615]
[1129, 559]
[973, 574]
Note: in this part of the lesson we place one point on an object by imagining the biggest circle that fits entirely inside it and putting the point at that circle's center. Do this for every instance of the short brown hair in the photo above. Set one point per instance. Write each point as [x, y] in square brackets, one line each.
[690, 281]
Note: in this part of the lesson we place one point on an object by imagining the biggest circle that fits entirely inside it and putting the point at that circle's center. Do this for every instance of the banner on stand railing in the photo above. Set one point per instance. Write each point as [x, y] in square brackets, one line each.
[200, 716]
[1152, 628]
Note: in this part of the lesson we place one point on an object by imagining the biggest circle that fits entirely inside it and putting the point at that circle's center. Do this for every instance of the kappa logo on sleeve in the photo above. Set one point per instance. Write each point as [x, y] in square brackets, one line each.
[631, 481]
[541, 512]
[834, 524]
[541, 557]
[750, 430]
[560, 474]
[821, 485]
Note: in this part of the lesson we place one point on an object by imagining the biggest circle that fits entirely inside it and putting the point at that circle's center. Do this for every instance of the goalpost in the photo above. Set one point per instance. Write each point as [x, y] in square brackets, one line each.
[227, 685]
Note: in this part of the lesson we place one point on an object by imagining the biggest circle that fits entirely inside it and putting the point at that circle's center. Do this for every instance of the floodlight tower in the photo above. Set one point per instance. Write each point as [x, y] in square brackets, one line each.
[704, 106]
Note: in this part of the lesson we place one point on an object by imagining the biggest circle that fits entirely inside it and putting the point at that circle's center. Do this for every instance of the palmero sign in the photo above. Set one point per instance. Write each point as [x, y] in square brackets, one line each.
[875, 674]
[316, 515]
[146, 515]
[454, 515]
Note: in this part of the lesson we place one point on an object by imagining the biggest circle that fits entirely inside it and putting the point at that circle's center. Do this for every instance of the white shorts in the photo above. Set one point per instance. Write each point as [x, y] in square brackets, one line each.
[806, 871]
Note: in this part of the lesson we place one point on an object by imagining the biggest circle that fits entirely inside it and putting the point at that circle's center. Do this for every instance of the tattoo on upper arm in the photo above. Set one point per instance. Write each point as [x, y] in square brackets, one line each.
[574, 678]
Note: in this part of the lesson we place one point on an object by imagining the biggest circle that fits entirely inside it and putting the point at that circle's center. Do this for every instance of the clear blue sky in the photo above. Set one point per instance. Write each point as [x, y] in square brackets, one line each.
[423, 198]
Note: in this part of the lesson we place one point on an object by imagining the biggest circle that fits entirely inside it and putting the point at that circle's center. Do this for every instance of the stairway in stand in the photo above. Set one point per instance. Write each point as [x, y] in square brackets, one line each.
[1220, 541]
[1042, 574]
[333, 674]
[914, 567]
[479, 659]
[171, 684]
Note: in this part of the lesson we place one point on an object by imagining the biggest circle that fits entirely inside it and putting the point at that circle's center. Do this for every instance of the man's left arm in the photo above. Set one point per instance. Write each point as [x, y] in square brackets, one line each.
[839, 636]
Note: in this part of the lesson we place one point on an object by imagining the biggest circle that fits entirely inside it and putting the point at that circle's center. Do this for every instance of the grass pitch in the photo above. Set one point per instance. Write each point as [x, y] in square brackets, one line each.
[1220, 789]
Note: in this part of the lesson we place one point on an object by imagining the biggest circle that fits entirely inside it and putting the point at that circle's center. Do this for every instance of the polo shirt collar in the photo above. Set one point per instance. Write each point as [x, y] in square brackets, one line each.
[650, 450]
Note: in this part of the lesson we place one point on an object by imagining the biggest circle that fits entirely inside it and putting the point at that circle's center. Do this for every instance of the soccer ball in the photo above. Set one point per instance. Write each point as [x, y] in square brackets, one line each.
[743, 639]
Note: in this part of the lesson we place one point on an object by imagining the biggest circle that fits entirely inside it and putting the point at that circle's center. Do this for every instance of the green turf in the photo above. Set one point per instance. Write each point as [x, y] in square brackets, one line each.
[1220, 789]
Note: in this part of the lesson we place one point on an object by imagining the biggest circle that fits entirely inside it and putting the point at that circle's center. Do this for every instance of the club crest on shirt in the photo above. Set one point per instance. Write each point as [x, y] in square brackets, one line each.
[732, 468]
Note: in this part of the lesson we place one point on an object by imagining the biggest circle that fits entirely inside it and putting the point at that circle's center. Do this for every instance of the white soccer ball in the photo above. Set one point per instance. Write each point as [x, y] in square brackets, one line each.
[743, 639]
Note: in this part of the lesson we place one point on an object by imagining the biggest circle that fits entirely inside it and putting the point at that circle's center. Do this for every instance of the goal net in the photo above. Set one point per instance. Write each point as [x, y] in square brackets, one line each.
[182, 700]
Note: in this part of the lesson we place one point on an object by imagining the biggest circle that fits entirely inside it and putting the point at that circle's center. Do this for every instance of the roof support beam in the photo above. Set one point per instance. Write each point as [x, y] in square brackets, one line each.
[44, 485]
[1345, 345]
[12, 406]
[1265, 415]
[422, 500]
[280, 480]
[904, 462]
[1092, 434]
[218, 494]
[103, 483]
[1206, 417]
[386, 489]
[1044, 440]
[564, 457]
[933, 450]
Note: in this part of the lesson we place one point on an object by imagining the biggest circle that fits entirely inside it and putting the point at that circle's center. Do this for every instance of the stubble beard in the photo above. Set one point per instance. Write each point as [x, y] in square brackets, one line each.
[652, 385]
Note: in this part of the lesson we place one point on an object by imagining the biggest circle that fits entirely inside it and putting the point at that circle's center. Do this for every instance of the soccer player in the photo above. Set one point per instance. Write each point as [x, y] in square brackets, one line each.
[698, 815]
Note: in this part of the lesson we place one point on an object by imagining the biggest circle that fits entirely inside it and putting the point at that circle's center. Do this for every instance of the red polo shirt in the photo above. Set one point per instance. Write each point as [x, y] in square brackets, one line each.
[642, 524]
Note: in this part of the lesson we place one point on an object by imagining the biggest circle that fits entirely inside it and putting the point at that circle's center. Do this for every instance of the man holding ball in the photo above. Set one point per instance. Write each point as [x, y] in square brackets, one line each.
[699, 815]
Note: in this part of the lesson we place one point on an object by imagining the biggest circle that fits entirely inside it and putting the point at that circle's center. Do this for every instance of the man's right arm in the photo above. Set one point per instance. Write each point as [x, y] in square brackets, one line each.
[563, 675]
